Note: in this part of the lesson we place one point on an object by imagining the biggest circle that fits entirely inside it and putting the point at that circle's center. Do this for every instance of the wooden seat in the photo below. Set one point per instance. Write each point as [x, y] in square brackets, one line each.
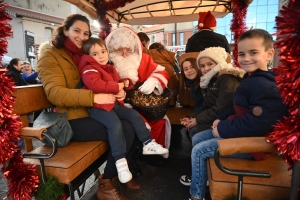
[223, 185]
[69, 161]
[72, 164]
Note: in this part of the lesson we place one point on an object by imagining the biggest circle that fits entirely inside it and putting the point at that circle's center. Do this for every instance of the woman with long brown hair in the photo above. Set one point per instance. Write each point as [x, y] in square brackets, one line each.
[58, 69]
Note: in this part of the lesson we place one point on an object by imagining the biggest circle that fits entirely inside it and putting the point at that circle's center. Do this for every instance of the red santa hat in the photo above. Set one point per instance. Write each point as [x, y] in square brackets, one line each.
[207, 21]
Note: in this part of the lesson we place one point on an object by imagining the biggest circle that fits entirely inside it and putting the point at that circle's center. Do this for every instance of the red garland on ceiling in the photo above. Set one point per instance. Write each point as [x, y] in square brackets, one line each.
[238, 25]
[286, 134]
[104, 6]
[22, 179]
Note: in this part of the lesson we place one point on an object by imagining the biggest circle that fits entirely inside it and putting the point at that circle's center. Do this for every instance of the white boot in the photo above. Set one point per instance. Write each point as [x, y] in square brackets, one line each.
[124, 174]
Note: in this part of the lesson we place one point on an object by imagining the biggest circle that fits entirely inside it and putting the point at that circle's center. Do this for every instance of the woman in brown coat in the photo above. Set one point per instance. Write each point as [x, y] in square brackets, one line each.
[57, 68]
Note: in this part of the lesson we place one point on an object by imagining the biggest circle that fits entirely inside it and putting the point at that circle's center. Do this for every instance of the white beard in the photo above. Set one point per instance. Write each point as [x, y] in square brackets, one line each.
[126, 67]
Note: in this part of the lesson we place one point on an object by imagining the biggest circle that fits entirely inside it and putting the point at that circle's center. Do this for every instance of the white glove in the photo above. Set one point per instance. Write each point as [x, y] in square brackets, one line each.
[149, 85]
[128, 105]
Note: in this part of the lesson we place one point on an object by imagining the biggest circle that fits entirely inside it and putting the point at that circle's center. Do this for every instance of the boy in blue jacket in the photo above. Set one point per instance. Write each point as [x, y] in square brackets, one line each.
[257, 105]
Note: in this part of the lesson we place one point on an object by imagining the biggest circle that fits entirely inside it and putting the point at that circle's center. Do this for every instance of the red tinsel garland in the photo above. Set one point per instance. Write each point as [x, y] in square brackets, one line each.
[238, 25]
[285, 135]
[22, 179]
[102, 8]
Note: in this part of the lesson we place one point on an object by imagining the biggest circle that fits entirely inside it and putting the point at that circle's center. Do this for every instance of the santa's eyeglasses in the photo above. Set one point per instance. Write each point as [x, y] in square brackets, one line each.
[122, 51]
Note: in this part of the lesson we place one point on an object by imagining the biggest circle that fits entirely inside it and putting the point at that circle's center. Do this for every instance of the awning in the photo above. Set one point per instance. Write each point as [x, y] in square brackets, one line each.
[149, 12]
[20, 12]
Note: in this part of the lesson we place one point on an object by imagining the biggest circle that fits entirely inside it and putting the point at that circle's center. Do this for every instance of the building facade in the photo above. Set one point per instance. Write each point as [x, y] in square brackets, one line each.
[33, 23]
[261, 14]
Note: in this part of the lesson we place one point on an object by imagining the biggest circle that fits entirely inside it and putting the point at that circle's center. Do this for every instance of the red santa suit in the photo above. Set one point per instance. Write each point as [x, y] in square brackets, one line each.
[140, 67]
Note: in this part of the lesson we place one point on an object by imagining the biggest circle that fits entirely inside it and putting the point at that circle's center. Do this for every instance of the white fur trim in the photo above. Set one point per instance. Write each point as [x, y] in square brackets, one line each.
[160, 77]
[204, 80]
[167, 134]
[159, 68]
[90, 70]
[213, 28]
[121, 35]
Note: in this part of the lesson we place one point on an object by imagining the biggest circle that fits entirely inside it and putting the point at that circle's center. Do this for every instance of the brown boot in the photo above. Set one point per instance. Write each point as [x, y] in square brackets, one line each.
[110, 189]
[132, 185]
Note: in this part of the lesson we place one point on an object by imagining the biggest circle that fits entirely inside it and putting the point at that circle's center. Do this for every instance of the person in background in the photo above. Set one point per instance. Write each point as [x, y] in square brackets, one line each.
[58, 69]
[191, 76]
[144, 39]
[29, 75]
[14, 70]
[257, 107]
[206, 37]
[165, 58]
[101, 77]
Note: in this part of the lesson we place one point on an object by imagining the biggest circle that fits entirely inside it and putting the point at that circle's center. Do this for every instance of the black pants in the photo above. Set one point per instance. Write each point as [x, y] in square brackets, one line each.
[88, 129]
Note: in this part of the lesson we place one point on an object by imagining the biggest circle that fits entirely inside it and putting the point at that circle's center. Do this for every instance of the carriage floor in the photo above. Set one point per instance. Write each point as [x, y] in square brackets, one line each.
[161, 182]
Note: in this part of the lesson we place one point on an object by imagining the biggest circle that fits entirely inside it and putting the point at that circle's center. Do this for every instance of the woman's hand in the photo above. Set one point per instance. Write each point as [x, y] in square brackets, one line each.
[104, 98]
[121, 95]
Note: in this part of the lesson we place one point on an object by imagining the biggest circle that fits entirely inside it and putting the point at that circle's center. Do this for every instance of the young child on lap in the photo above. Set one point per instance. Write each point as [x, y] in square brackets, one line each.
[101, 77]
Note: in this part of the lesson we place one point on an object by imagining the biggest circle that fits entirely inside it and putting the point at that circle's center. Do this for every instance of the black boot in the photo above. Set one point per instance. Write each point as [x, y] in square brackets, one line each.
[134, 168]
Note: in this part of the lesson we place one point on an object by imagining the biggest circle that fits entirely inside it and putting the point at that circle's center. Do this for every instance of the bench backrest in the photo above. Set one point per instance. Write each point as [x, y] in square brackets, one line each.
[28, 99]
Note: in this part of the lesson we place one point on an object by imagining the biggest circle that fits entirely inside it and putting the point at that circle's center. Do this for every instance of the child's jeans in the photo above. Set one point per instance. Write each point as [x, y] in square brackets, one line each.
[204, 146]
[113, 124]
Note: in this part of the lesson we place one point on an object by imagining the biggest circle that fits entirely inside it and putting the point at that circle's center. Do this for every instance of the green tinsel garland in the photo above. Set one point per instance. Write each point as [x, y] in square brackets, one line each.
[50, 190]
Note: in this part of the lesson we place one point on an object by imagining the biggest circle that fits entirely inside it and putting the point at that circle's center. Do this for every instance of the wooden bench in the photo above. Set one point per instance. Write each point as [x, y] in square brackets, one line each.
[72, 164]
[267, 179]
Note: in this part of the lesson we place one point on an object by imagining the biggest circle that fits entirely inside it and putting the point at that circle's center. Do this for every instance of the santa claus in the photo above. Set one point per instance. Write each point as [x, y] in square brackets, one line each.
[125, 51]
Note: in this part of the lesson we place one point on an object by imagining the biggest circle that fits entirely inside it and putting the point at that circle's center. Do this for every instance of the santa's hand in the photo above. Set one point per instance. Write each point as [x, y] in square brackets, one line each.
[149, 85]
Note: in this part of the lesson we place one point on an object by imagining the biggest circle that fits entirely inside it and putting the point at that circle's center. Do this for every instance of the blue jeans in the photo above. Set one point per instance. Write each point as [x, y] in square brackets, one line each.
[194, 131]
[204, 146]
[113, 124]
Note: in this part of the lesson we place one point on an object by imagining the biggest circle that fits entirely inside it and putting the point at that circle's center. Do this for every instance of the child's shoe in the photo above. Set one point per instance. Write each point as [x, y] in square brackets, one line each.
[153, 148]
[124, 174]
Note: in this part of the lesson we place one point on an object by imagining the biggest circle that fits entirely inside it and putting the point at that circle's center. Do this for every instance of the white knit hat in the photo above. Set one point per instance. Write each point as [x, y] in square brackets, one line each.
[217, 54]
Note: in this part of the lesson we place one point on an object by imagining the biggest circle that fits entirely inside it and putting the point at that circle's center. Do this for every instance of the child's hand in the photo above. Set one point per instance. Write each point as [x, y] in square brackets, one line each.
[126, 83]
[192, 123]
[215, 132]
[121, 86]
[121, 95]
[215, 124]
[185, 121]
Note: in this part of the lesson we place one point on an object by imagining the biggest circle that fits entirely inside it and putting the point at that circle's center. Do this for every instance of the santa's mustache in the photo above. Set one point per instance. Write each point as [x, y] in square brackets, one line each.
[126, 67]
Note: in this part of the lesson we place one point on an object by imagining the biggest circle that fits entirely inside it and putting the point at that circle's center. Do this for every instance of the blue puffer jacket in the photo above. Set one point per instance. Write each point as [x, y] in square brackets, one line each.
[257, 106]
[196, 95]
